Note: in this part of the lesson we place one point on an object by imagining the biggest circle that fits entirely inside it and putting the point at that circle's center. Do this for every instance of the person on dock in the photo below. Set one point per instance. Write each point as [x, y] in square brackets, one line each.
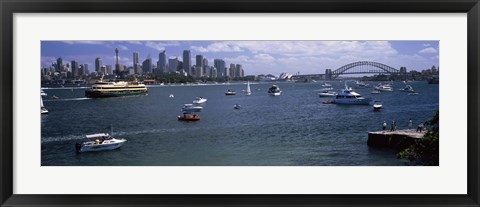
[410, 123]
[392, 126]
[384, 125]
[420, 127]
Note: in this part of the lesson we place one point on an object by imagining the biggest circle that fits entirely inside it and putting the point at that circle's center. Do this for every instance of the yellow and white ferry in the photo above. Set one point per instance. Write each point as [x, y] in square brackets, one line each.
[103, 89]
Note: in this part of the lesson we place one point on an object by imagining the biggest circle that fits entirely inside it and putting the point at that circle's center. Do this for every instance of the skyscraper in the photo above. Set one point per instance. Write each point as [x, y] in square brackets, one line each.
[75, 68]
[147, 65]
[118, 69]
[206, 69]
[220, 66]
[59, 64]
[98, 64]
[172, 64]
[187, 61]
[136, 65]
[162, 62]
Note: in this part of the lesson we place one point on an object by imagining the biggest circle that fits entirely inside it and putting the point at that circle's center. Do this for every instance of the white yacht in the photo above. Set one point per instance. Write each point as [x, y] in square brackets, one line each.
[274, 90]
[408, 89]
[377, 105]
[326, 85]
[384, 87]
[327, 94]
[103, 141]
[191, 108]
[350, 97]
[199, 100]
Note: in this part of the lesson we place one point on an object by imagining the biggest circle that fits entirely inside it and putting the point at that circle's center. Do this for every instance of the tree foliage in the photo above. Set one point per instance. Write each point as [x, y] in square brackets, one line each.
[426, 150]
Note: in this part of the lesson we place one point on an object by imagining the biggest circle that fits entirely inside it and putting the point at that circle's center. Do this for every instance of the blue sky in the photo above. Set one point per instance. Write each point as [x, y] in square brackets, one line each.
[256, 57]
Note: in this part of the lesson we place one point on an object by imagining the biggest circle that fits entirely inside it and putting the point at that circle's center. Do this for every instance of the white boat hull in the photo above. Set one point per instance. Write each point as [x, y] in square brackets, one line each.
[92, 146]
[275, 93]
[352, 101]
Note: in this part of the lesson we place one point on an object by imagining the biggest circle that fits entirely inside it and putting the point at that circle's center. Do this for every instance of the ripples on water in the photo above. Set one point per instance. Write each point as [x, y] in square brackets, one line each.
[292, 129]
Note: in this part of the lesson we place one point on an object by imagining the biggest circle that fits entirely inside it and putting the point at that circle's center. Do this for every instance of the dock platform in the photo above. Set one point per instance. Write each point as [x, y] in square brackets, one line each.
[399, 139]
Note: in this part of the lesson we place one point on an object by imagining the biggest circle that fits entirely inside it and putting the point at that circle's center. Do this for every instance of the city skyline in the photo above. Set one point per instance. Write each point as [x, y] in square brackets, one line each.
[256, 57]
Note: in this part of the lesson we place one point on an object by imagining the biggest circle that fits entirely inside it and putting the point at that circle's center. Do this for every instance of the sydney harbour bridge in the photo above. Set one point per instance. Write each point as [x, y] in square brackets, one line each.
[360, 67]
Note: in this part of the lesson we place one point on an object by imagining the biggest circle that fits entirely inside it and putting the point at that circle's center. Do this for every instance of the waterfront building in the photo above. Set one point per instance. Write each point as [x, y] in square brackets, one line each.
[213, 72]
[162, 62]
[75, 68]
[205, 67]
[198, 71]
[187, 61]
[108, 69]
[238, 71]
[59, 64]
[231, 71]
[136, 64]
[220, 66]
[98, 64]
[85, 68]
[172, 64]
[147, 65]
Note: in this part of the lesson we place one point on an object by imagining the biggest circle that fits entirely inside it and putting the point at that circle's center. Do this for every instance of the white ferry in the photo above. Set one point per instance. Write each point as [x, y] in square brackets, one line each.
[350, 97]
[103, 89]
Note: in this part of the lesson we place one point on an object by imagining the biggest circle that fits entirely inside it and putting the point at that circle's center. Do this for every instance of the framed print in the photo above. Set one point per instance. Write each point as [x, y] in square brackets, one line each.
[239, 103]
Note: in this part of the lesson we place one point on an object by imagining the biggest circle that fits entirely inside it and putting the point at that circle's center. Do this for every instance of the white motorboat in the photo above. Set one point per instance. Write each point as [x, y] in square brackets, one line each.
[42, 93]
[408, 89]
[361, 84]
[274, 90]
[237, 106]
[377, 105]
[326, 85]
[375, 92]
[384, 87]
[43, 110]
[350, 97]
[327, 94]
[230, 92]
[326, 89]
[171, 95]
[199, 100]
[191, 108]
[103, 141]
[248, 92]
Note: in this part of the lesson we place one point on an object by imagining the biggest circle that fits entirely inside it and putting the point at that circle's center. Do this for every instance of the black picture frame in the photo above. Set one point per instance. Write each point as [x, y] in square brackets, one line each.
[10, 7]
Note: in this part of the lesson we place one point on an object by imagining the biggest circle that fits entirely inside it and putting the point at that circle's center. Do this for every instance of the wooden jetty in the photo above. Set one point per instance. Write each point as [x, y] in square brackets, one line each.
[399, 139]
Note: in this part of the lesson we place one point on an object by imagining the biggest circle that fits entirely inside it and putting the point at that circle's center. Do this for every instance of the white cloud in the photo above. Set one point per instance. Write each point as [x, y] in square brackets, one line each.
[426, 45]
[428, 50]
[84, 42]
[159, 45]
[218, 47]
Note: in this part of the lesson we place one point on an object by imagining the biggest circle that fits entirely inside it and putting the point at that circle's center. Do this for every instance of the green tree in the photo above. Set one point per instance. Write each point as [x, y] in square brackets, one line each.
[426, 150]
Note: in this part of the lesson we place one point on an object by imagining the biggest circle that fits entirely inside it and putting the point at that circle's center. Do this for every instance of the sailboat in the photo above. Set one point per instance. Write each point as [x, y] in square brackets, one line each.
[43, 110]
[248, 92]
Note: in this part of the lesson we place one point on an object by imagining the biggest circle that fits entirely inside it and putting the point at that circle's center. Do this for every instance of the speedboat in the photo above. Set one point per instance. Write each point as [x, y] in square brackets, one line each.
[361, 84]
[377, 105]
[237, 106]
[274, 90]
[327, 94]
[42, 93]
[326, 89]
[384, 87]
[350, 97]
[171, 95]
[187, 117]
[191, 108]
[375, 92]
[326, 85]
[103, 141]
[230, 92]
[199, 100]
[408, 89]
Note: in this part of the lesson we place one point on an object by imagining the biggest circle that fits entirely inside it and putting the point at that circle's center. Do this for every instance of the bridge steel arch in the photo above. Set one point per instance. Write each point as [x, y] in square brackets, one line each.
[362, 67]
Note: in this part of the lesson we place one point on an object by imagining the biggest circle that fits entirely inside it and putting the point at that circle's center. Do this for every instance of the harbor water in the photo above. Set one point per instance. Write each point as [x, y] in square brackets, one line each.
[293, 129]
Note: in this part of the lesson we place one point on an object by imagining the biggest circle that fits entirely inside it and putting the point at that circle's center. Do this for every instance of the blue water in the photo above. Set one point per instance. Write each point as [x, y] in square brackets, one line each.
[294, 129]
